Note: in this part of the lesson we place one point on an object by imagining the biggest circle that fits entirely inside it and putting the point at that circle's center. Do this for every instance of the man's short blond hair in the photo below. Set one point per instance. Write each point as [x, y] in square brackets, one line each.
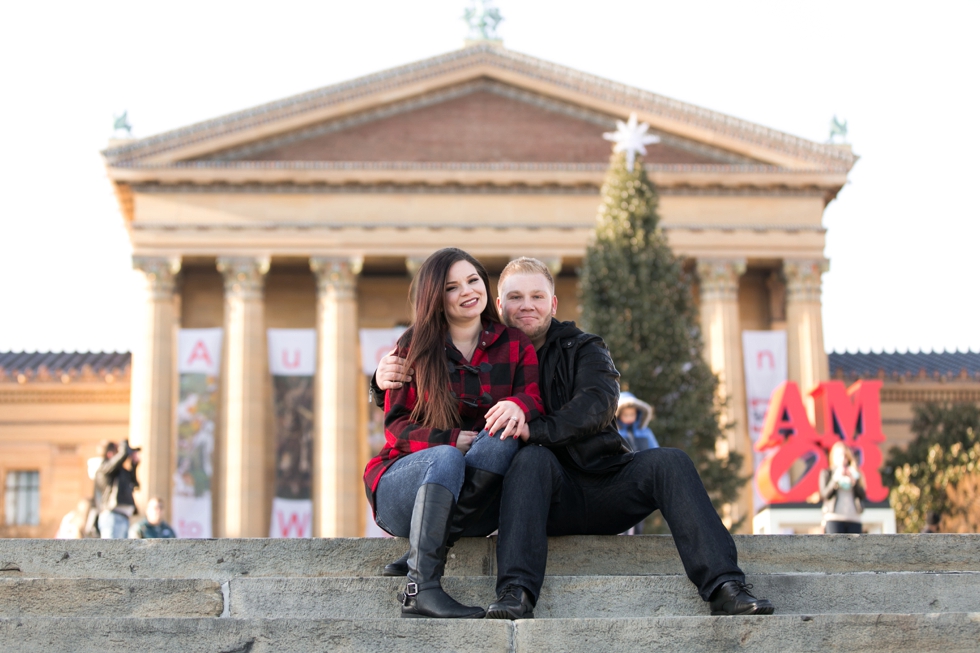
[525, 265]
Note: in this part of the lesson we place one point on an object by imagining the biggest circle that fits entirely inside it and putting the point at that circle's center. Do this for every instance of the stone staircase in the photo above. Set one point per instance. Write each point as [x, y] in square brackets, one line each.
[602, 595]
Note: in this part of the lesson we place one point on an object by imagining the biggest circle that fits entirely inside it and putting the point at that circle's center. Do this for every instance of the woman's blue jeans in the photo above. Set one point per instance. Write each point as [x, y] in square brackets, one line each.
[443, 465]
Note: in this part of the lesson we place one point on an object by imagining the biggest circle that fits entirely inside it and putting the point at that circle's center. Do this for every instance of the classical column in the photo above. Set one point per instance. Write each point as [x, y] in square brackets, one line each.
[804, 324]
[151, 401]
[244, 509]
[722, 335]
[338, 449]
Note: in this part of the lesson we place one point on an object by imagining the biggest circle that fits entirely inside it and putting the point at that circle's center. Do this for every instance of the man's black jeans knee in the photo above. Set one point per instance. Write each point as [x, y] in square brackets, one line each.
[541, 497]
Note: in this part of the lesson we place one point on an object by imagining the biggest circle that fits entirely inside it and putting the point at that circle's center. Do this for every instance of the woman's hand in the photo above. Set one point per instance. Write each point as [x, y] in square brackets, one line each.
[465, 440]
[392, 372]
[506, 416]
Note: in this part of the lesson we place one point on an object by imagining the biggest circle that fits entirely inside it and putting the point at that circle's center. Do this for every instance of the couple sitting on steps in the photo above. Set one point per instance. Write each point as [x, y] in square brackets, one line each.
[512, 425]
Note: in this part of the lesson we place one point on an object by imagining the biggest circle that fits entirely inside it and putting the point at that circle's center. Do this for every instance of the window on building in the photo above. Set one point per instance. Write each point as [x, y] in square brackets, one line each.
[22, 499]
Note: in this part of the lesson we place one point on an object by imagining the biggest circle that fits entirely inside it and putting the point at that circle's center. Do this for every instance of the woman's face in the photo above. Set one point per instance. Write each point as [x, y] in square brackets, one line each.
[466, 294]
[837, 457]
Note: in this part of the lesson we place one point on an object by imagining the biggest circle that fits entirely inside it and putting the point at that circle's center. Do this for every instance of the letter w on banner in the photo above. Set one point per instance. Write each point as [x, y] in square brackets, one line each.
[292, 363]
[199, 368]
[764, 359]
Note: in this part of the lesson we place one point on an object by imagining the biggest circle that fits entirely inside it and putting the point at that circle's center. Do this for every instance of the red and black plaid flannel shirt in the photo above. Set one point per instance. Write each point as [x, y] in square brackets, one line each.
[504, 367]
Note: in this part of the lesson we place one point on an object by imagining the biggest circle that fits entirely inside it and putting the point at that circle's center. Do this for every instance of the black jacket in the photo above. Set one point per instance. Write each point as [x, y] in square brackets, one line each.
[114, 484]
[580, 387]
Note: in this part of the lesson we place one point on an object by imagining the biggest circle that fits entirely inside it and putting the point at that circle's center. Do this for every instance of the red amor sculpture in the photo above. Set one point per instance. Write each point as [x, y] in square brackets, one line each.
[851, 415]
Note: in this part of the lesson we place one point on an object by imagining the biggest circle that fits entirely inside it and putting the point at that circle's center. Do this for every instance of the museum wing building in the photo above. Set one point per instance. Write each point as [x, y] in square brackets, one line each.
[313, 211]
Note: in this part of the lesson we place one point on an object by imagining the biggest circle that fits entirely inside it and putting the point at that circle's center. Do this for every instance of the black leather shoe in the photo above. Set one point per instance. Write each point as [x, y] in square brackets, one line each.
[513, 603]
[397, 568]
[733, 598]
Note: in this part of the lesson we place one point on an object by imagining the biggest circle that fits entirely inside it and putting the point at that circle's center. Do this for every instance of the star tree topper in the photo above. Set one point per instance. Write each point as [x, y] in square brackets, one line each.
[631, 138]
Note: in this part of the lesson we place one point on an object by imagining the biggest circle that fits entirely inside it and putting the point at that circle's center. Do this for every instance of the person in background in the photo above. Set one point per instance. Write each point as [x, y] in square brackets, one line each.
[842, 491]
[73, 524]
[633, 418]
[115, 481]
[152, 526]
[932, 522]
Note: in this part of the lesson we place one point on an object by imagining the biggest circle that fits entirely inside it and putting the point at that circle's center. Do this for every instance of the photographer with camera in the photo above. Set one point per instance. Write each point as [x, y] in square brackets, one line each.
[115, 481]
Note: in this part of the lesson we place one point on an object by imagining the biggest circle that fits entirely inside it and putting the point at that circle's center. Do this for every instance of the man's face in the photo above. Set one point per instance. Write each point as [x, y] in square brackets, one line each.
[527, 302]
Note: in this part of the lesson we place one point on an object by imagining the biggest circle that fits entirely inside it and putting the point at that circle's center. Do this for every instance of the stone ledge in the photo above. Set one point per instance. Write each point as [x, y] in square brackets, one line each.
[577, 597]
[89, 597]
[872, 633]
[568, 556]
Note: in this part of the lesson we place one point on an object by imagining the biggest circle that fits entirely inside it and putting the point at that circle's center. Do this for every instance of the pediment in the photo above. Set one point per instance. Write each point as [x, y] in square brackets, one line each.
[482, 121]
[355, 111]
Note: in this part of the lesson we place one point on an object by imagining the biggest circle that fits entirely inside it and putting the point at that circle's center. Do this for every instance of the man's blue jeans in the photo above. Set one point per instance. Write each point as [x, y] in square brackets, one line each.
[113, 526]
[541, 498]
[443, 465]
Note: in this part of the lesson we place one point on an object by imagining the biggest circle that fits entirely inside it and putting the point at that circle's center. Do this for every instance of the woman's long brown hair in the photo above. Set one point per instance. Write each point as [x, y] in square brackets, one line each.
[426, 338]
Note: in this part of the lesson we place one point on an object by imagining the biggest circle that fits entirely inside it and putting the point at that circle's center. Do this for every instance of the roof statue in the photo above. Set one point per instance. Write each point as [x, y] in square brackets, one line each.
[482, 19]
[837, 128]
[121, 127]
[631, 138]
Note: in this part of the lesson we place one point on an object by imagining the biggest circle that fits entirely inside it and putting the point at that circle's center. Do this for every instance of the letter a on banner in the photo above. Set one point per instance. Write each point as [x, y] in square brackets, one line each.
[292, 363]
[199, 368]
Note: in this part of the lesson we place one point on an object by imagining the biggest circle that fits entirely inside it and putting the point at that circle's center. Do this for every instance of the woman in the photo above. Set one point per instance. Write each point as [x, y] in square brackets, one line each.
[842, 490]
[445, 456]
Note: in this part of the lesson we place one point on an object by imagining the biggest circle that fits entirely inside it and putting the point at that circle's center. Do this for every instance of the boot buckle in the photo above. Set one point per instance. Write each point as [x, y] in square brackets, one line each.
[411, 589]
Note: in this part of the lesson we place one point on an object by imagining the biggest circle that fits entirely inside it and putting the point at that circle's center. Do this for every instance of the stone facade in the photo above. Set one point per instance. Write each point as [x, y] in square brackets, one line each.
[311, 212]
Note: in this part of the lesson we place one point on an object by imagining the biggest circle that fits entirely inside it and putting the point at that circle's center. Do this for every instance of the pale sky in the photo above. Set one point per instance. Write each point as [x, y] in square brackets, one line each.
[902, 236]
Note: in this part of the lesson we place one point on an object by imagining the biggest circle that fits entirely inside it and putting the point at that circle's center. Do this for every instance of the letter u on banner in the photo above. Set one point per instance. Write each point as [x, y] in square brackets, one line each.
[199, 369]
[292, 363]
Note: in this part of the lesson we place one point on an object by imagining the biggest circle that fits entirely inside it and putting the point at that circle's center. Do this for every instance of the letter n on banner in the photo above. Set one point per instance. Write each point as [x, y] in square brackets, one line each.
[292, 363]
[199, 368]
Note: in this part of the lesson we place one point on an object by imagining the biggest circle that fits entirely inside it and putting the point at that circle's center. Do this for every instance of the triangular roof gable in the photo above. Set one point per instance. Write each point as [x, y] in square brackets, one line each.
[483, 61]
[482, 121]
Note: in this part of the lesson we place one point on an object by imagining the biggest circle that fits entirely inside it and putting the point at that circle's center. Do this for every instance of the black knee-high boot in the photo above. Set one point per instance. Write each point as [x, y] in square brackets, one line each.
[424, 596]
[480, 488]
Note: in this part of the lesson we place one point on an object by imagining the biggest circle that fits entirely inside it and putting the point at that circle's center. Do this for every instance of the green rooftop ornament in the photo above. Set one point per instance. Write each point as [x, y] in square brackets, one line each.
[121, 127]
[838, 128]
[482, 19]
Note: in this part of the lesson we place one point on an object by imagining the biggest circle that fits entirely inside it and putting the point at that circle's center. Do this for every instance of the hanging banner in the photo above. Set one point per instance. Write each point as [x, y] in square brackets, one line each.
[764, 359]
[292, 363]
[199, 369]
[375, 343]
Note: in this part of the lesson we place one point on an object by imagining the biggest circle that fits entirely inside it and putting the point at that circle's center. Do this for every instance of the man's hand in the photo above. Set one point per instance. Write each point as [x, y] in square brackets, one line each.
[525, 433]
[507, 417]
[392, 372]
[465, 440]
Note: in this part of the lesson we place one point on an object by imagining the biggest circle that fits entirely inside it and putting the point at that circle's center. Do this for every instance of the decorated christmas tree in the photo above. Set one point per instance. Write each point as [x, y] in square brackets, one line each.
[637, 296]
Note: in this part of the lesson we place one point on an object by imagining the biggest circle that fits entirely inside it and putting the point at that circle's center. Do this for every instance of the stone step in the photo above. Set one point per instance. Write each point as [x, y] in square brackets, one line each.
[586, 555]
[99, 597]
[580, 597]
[562, 597]
[866, 633]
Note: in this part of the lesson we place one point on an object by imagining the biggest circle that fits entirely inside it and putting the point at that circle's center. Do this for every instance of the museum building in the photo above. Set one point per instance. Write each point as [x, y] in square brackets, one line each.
[312, 212]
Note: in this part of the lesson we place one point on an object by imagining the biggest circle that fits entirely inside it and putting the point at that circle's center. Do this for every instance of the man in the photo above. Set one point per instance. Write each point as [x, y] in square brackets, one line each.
[153, 526]
[578, 477]
[115, 481]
